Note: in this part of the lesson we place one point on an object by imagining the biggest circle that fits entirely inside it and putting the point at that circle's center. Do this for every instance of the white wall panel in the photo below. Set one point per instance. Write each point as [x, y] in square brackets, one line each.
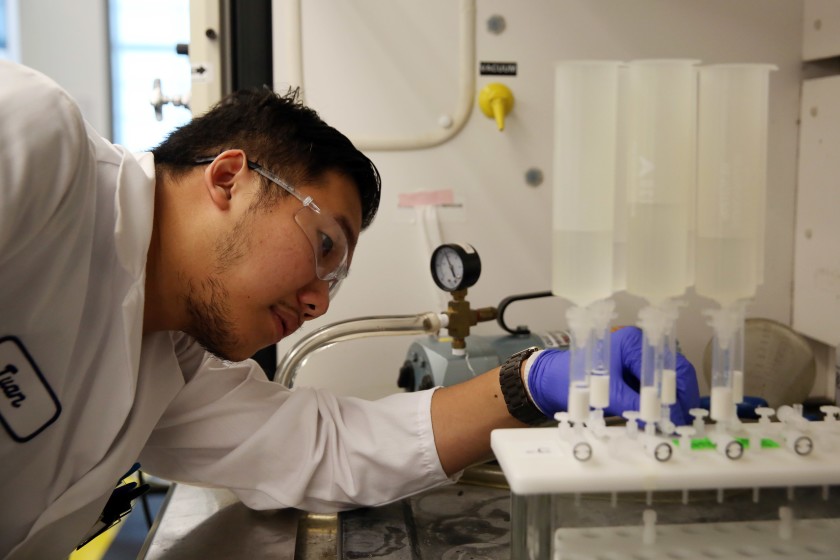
[821, 29]
[391, 67]
[68, 41]
[817, 278]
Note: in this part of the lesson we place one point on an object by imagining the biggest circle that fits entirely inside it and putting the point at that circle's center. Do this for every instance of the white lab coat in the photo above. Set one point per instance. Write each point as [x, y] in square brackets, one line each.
[90, 395]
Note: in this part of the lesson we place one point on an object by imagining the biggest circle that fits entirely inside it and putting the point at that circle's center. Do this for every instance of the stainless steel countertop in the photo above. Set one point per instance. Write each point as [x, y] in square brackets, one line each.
[213, 524]
[469, 517]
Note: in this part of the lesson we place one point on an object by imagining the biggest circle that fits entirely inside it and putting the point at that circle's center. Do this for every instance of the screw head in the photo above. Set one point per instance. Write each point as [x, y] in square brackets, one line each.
[582, 452]
[803, 445]
[534, 177]
[734, 450]
[496, 24]
[663, 452]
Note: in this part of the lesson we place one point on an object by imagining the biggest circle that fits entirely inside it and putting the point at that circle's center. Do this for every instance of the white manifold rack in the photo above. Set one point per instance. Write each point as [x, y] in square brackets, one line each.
[770, 483]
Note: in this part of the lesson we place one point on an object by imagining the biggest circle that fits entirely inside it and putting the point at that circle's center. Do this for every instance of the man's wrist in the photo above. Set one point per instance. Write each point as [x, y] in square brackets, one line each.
[525, 372]
[517, 398]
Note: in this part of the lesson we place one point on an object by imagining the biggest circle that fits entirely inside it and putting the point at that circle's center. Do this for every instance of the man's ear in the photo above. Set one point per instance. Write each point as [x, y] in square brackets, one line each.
[221, 176]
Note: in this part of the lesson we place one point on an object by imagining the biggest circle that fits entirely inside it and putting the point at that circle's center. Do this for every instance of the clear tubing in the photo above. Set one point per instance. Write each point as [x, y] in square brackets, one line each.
[668, 382]
[599, 391]
[732, 180]
[669, 375]
[586, 99]
[601, 313]
[580, 327]
[725, 322]
[738, 359]
[363, 327]
[661, 140]
[657, 324]
[668, 391]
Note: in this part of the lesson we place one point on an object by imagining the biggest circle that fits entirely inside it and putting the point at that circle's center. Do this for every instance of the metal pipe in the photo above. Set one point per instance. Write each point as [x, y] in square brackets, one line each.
[364, 327]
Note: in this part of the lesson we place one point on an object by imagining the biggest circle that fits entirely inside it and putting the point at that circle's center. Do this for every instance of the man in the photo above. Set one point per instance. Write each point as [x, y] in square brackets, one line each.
[133, 286]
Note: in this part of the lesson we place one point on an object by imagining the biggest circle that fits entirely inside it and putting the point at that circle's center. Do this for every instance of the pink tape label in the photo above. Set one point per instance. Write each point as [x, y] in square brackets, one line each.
[426, 198]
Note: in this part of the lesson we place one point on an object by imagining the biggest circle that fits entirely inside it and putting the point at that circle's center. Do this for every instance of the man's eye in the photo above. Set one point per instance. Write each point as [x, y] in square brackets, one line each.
[326, 244]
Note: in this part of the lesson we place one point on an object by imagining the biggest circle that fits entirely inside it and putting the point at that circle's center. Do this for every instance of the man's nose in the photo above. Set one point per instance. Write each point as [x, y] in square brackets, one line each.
[315, 299]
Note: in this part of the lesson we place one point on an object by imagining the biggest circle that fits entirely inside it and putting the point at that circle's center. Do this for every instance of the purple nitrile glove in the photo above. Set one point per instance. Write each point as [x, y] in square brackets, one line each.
[548, 379]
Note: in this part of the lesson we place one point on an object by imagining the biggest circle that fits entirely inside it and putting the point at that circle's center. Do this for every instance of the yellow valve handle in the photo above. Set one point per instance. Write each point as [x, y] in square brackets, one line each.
[496, 101]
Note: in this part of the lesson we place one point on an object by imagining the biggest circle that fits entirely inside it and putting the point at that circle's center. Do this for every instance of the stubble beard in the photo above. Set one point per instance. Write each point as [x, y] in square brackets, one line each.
[209, 305]
[212, 327]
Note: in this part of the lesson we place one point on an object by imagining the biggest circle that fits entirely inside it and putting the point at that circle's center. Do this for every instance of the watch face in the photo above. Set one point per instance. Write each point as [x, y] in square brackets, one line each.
[448, 268]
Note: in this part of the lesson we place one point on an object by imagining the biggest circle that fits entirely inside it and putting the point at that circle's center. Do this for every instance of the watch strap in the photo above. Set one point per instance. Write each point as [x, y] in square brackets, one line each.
[516, 396]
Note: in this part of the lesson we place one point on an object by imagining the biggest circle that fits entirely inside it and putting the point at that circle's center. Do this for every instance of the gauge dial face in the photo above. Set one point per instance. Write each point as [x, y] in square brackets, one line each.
[455, 267]
[449, 268]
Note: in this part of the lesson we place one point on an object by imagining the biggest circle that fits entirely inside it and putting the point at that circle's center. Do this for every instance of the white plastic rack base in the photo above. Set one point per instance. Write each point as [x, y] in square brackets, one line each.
[547, 461]
[810, 539]
[755, 460]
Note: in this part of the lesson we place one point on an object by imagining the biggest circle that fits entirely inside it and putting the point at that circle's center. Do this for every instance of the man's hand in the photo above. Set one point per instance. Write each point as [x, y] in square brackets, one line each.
[548, 379]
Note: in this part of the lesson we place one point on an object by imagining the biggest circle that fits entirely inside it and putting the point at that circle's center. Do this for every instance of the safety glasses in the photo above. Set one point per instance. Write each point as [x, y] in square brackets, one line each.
[329, 243]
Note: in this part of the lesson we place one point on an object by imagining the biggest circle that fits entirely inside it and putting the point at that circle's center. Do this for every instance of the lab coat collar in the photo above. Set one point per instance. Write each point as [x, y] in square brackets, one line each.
[135, 203]
[135, 206]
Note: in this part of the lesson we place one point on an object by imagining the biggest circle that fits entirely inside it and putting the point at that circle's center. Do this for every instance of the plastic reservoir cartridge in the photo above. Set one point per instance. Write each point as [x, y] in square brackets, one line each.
[585, 122]
[661, 121]
[731, 180]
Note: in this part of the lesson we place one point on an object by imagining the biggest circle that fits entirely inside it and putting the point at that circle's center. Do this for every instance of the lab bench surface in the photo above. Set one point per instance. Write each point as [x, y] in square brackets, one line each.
[456, 521]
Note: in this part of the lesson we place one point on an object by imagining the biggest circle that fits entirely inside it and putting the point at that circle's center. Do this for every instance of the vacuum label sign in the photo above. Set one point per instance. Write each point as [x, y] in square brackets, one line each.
[497, 68]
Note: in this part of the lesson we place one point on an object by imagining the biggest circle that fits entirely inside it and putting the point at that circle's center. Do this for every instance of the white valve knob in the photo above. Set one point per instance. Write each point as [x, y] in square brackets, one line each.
[158, 99]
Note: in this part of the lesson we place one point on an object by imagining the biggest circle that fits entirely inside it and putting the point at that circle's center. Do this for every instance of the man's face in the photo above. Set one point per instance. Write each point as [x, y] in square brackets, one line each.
[263, 284]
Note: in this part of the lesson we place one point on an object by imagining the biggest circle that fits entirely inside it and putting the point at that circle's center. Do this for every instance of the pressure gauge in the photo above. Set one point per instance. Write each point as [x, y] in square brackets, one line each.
[455, 267]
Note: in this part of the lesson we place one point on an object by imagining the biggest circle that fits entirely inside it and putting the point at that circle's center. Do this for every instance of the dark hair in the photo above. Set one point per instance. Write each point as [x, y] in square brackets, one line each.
[278, 132]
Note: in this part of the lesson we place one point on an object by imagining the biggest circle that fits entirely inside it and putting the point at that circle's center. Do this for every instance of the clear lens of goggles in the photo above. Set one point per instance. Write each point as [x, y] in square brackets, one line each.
[328, 242]
[334, 285]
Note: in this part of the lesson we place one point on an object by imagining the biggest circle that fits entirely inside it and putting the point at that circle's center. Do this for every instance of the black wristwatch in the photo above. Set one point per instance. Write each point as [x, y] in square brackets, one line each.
[518, 402]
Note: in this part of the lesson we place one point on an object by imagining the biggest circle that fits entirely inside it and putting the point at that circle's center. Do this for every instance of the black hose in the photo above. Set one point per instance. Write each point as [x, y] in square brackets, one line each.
[500, 319]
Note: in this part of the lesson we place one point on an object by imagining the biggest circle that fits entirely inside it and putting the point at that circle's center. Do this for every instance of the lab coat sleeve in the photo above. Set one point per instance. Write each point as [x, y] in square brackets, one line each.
[232, 428]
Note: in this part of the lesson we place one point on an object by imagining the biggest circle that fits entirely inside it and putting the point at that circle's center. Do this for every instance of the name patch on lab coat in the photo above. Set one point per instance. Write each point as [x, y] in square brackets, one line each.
[27, 403]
